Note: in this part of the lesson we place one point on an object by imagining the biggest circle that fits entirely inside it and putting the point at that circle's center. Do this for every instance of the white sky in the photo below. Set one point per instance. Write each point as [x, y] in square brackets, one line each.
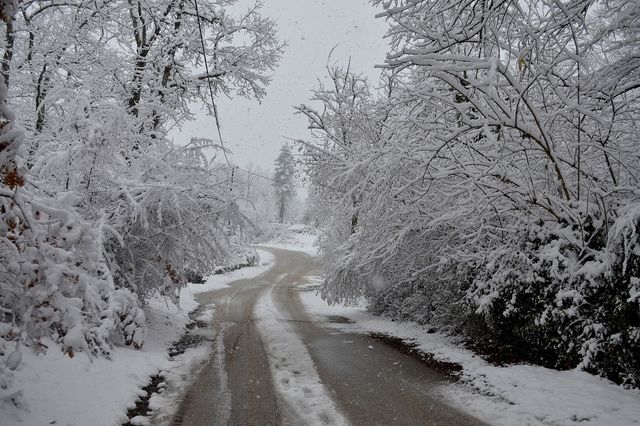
[255, 132]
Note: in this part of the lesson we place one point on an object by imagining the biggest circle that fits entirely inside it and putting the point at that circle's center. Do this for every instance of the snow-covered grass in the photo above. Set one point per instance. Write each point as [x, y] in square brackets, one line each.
[78, 391]
[294, 373]
[509, 395]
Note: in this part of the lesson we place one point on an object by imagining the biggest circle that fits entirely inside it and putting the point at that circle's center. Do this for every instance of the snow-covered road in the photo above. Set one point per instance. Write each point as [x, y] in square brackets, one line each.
[273, 365]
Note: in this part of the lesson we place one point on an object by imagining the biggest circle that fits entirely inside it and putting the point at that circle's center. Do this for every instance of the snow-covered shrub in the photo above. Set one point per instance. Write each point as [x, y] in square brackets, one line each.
[435, 299]
[276, 232]
[563, 306]
[526, 294]
[243, 255]
[129, 319]
[55, 283]
[611, 343]
[156, 231]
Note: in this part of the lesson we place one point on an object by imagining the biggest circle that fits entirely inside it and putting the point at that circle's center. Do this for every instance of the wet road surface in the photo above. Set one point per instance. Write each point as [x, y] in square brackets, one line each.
[369, 382]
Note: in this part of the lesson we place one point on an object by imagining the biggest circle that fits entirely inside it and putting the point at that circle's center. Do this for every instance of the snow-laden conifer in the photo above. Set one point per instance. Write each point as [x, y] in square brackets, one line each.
[284, 181]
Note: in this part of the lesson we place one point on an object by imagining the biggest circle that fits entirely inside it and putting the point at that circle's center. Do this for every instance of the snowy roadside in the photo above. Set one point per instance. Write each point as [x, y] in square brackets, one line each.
[220, 281]
[79, 391]
[300, 238]
[509, 395]
[60, 390]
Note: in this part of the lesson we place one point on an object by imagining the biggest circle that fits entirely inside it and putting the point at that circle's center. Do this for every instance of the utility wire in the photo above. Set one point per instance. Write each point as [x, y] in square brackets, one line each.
[215, 107]
[206, 67]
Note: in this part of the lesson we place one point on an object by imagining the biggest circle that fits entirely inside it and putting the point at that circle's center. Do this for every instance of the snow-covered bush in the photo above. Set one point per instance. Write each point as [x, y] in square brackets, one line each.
[563, 306]
[55, 282]
[611, 342]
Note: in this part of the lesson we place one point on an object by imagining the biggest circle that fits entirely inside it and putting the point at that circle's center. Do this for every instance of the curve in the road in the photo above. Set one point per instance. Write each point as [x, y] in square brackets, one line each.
[320, 375]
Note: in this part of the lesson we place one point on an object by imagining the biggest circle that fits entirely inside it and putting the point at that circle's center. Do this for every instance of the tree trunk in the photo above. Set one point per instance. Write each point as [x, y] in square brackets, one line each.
[281, 212]
[8, 50]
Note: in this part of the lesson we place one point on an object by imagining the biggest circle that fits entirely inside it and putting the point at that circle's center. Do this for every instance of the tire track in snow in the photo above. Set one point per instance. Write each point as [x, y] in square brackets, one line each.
[294, 373]
[223, 398]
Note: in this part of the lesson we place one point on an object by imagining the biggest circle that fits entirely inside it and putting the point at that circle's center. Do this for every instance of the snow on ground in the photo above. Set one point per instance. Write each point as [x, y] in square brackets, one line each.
[518, 394]
[299, 238]
[217, 282]
[294, 374]
[79, 391]
[182, 369]
[511, 395]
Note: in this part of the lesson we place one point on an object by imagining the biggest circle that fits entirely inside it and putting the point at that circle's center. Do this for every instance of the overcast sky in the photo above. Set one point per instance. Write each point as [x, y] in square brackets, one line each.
[255, 131]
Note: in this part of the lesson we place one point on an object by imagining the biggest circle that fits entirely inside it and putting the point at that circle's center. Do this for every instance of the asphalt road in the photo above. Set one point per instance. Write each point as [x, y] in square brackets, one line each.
[370, 382]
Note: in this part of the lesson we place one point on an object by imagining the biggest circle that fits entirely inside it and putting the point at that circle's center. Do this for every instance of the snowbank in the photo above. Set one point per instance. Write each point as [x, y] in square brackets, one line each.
[217, 282]
[78, 391]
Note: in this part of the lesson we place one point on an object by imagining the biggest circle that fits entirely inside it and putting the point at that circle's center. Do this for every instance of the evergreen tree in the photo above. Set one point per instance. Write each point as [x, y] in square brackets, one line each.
[283, 180]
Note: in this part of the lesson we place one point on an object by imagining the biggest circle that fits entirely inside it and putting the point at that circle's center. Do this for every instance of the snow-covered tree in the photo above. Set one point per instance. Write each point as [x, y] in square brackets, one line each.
[255, 199]
[284, 181]
[100, 210]
[492, 181]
